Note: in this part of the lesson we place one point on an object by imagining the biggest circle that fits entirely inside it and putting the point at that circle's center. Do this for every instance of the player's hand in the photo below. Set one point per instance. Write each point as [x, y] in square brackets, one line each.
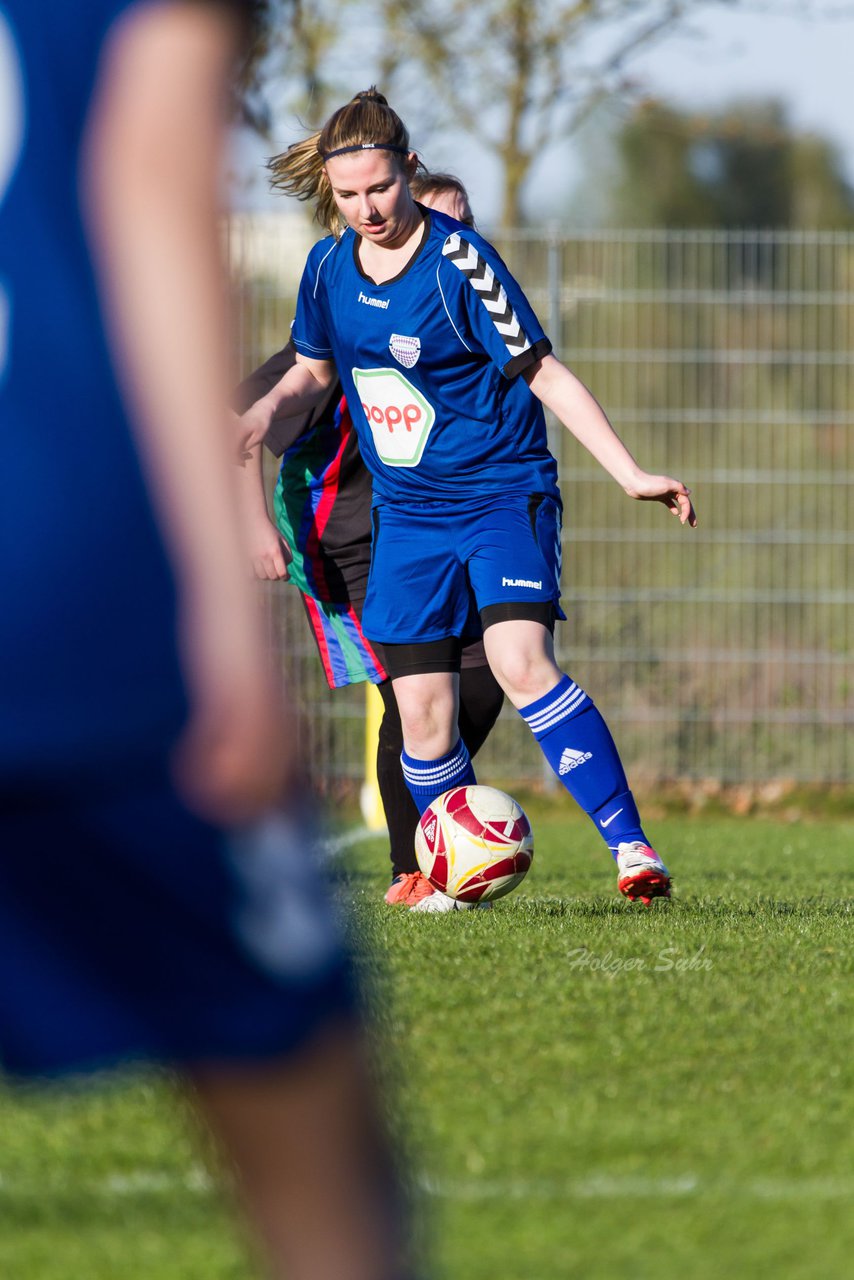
[672, 493]
[253, 425]
[268, 551]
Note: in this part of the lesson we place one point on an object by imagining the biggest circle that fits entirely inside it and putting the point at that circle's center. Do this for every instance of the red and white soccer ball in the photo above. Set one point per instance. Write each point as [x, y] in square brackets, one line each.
[474, 843]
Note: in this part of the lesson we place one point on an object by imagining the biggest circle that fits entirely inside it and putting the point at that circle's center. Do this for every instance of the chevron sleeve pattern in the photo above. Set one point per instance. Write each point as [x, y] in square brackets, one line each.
[506, 319]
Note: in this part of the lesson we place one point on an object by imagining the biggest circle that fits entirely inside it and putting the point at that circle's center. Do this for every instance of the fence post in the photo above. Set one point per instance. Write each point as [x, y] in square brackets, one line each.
[554, 265]
[554, 271]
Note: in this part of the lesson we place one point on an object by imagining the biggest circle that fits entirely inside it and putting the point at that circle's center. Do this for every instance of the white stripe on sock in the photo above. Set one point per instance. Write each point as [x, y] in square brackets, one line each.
[425, 774]
[560, 709]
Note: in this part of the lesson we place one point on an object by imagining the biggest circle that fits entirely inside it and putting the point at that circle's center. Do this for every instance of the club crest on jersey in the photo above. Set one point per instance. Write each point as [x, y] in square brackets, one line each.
[405, 350]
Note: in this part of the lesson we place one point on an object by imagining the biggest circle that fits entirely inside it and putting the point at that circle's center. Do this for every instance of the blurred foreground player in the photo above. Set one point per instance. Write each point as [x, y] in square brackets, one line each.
[157, 898]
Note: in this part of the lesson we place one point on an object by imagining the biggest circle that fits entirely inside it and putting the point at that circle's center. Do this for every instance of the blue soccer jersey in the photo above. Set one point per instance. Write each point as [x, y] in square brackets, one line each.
[88, 662]
[430, 365]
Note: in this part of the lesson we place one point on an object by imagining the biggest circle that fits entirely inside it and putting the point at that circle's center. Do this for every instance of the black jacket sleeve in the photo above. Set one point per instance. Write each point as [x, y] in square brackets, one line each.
[284, 430]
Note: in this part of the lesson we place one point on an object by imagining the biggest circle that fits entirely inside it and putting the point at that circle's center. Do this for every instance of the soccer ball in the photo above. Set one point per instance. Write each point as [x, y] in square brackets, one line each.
[474, 843]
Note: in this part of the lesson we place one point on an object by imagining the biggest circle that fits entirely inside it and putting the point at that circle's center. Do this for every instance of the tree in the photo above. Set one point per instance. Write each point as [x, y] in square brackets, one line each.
[289, 61]
[515, 74]
[742, 167]
[512, 75]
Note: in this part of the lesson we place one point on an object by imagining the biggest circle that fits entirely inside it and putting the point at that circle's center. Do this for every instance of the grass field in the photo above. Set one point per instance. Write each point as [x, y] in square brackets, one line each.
[592, 1090]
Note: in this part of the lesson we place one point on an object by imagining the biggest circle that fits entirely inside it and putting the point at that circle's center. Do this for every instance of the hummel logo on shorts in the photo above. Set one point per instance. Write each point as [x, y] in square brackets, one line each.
[571, 759]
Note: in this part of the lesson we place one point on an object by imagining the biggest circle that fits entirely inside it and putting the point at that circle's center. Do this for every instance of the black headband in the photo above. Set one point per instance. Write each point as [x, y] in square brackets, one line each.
[366, 146]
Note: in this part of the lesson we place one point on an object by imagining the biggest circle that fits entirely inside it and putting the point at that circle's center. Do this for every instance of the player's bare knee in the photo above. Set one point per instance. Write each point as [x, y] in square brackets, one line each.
[524, 676]
[429, 729]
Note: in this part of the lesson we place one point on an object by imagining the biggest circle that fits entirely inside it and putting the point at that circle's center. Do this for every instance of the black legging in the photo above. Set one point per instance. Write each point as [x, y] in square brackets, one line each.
[480, 702]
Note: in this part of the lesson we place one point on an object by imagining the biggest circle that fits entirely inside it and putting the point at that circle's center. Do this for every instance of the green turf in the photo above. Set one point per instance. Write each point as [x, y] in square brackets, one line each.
[592, 1090]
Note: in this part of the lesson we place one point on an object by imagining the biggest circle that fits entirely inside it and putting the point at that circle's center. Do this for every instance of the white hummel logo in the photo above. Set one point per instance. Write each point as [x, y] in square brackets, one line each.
[606, 822]
[571, 759]
[382, 303]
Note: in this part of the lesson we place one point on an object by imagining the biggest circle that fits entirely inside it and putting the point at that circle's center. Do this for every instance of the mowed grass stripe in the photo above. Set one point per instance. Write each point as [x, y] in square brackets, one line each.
[199, 1182]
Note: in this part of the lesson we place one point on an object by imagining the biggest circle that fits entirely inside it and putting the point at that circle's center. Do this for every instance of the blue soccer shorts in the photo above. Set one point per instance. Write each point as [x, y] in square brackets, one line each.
[132, 931]
[431, 561]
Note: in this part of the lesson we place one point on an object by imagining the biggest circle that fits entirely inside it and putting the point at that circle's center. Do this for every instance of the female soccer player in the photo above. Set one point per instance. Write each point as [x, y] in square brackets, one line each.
[448, 369]
[323, 512]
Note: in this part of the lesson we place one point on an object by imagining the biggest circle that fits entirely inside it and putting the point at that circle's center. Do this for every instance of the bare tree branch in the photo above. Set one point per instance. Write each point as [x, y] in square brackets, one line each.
[511, 75]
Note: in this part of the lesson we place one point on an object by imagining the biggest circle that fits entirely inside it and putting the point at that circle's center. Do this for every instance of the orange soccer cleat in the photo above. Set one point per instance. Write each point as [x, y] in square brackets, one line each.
[409, 888]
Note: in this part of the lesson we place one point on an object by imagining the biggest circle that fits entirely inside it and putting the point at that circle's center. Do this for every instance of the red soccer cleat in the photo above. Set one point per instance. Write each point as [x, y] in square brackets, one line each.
[641, 875]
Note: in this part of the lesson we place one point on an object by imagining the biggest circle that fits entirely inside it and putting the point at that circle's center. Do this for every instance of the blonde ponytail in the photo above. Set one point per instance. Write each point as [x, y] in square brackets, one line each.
[366, 122]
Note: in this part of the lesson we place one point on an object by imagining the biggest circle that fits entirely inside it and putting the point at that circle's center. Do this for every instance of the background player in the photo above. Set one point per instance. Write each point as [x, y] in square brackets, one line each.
[155, 901]
[449, 369]
[322, 506]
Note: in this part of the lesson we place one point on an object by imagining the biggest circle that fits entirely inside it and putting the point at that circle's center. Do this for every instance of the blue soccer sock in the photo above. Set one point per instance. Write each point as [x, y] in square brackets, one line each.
[578, 745]
[428, 779]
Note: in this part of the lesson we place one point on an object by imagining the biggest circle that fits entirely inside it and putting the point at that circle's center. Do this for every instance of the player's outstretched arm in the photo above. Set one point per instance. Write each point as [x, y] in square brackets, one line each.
[297, 391]
[579, 411]
[267, 552]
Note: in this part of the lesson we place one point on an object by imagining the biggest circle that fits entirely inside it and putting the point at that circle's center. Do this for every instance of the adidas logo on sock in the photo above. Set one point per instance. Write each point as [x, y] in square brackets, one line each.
[571, 759]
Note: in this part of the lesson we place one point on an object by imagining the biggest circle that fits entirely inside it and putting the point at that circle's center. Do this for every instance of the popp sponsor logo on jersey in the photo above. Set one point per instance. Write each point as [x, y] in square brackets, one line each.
[398, 414]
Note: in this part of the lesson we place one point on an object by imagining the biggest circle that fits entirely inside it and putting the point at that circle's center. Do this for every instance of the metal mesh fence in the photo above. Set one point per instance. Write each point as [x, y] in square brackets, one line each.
[725, 359]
